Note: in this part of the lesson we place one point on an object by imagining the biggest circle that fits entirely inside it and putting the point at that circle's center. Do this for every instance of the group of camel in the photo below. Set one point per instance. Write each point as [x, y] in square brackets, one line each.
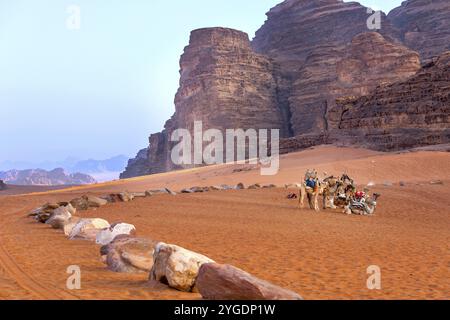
[336, 192]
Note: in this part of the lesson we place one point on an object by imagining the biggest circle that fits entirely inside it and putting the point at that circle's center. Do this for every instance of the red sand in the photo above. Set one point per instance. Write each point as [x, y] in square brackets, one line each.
[320, 256]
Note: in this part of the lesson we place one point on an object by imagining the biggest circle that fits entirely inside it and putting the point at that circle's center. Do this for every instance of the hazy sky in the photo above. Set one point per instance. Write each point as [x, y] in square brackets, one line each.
[101, 90]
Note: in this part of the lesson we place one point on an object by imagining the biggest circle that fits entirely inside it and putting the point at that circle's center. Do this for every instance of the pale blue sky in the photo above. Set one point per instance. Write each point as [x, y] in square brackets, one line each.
[101, 90]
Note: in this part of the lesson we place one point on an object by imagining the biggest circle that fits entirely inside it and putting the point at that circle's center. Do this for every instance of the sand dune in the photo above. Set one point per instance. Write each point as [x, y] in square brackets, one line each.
[320, 256]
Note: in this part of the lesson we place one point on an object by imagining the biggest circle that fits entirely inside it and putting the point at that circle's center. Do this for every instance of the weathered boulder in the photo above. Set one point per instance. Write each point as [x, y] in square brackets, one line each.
[129, 255]
[108, 235]
[225, 282]
[42, 214]
[240, 186]
[59, 218]
[87, 229]
[176, 266]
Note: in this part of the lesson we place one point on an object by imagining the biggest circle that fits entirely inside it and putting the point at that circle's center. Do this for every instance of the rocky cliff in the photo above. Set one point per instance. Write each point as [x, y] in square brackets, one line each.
[406, 114]
[307, 59]
[224, 84]
[424, 26]
[40, 177]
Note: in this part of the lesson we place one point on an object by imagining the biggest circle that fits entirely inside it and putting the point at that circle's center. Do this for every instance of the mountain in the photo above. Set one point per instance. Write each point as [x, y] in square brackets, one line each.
[41, 177]
[318, 72]
[101, 170]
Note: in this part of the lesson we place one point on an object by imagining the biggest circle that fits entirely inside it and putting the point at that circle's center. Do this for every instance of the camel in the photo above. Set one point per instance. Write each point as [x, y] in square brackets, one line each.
[364, 207]
[312, 188]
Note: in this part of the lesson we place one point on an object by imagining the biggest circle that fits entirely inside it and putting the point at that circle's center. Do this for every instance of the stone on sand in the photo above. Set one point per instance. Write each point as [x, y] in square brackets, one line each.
[255, 186]
[87, 229]
[108, 235]
[59, 218]
[129, 255]
[176, 266]
[225, 282]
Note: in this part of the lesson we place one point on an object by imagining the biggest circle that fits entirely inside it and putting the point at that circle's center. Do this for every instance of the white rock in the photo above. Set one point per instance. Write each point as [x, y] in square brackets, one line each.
[87, 229]
[176, 266]
[108, 235]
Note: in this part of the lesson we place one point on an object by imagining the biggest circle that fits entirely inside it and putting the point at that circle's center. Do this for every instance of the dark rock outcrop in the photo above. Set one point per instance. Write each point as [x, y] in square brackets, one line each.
[2, 185]
[405, 114]
[424, 26]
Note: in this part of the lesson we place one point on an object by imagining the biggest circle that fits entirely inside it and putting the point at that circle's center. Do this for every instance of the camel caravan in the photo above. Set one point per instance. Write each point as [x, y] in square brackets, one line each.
[336, 192]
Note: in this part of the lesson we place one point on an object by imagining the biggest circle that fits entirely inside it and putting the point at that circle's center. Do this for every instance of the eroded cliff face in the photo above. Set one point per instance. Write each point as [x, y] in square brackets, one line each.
[309, 66]
[225, 85]
[406, 114]
[424, 26]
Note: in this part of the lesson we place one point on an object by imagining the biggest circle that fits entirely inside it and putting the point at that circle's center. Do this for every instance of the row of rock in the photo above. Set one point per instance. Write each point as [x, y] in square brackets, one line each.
[224, 187]
[169, 264]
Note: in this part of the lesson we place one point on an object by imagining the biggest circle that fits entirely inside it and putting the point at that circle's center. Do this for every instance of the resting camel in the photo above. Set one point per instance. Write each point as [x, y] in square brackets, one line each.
[364, 207]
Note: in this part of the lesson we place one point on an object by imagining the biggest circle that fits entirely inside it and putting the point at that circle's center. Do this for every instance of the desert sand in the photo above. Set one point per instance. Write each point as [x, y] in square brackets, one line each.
[319, 255]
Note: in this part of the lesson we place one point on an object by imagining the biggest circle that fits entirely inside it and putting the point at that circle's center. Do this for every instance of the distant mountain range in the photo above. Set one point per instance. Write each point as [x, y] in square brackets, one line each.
[101, 170]
[39, 177]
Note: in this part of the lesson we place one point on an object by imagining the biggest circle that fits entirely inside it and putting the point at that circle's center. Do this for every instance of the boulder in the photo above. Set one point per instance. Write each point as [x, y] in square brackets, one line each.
[95, 202]
[255, 186]
[150, 193]
[70, 225]
[59, 218]
[139, 194]
[108, 235]
[87, 229]
[80, 204]
[125, 196]
[129, 255]
[240, 186]
[269, 186]
[42, 214]
[176, 266]
[225, 282]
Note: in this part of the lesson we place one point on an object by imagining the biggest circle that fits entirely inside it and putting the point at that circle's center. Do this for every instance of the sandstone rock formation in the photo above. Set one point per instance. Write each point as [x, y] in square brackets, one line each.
[40, 177]
[410, 113]
[59, 218]
[176, 266]
[87, 229]
[108, 235]
[307, 58]
[129, 255]
[424, 26]
[225, 282]
[225, 85]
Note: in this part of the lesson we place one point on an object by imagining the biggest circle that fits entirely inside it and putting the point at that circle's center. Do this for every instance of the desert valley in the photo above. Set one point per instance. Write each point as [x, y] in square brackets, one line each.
[360, 106]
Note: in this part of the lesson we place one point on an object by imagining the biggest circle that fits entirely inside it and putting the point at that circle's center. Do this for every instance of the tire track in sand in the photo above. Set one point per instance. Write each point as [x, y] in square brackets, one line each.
[21, 277]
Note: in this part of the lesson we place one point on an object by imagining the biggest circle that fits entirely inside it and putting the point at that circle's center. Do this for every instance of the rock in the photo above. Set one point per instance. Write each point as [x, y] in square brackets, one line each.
[402, 184]
[240, 186]
[424, 26]
[129, 255]
[255, 186]
[388, 184]
[95, 202]
[59, 218]
[269, 186]
[226, 187]
[81, 204]
[87, 229]
[437, 182]
[225, 282]
[42, 214]
[403, 115]
[39, 177]
[196, 190]
[68, 227]
[176, 266]
[108, 235]
[2, 185]
[235, 76]
[139, 194]
[150, 193]
[125, 196]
